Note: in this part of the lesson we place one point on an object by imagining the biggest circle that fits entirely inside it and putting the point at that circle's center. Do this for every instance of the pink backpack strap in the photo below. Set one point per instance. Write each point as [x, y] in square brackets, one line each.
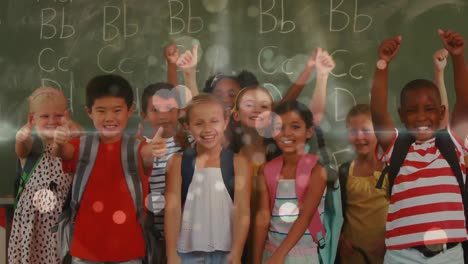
[271, 172]
[304, 168]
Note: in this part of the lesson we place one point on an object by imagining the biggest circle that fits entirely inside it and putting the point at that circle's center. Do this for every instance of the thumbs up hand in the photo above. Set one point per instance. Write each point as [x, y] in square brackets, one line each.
[62, 133]
[453, 41]
[158, 144]
[389, 48]
[25, 132]
[189, 59]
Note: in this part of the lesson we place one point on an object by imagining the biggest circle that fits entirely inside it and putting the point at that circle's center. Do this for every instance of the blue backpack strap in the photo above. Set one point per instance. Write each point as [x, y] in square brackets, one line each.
[400, 150]
[186, 171]
[23, 173]
[227, 170]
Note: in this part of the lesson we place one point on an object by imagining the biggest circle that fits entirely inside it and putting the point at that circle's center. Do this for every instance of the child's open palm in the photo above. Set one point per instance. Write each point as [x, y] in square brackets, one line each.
[453, 41]
[389, 48]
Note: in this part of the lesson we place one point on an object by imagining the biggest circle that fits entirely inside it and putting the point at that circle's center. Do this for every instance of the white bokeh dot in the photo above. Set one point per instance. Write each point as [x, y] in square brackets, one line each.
[288, 212]
[435, 236]
[258, 158]
[217, 56]
[219, 186]
[213, 27]
[152, 60]
[214, 6]
[44, 200]
[199, 176]
[252, 11]
[156, 202]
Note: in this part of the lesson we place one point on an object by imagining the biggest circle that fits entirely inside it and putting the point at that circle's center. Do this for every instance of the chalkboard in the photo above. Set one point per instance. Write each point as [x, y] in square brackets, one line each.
[63, 43]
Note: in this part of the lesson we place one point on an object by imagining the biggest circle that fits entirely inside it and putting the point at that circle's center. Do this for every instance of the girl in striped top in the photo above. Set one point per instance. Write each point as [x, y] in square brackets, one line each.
[290, 189]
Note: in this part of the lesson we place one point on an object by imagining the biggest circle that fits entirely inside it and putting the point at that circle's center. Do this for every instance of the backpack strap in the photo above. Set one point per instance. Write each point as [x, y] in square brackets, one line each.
[343, 173]
[89, 145]
[227, 170]
[400, 150]
[24, 172]
[272, 172]
[187, 169]
[130, 163]
[446, 147]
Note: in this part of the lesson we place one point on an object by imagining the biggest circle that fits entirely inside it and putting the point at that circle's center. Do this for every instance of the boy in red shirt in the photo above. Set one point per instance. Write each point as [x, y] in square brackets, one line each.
[106, 228]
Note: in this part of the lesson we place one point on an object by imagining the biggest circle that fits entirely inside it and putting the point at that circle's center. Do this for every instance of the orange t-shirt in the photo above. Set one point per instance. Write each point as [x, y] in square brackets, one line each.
[106, 228]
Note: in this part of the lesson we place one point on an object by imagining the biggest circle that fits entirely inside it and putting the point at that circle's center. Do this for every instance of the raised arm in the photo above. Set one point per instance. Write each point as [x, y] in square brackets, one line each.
[241, 209]
[296, 88]
[24, 142]
[381, 119]
[171, 53]
[455, 44]
[324, 64]
[440, 61]
[262, 218]
[173, 209]
[312, 197]
[188, 63]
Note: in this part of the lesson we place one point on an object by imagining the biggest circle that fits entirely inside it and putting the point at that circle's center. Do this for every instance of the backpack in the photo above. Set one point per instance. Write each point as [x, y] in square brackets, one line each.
[445, 145]
[89, 145]
[304, 167]
[188, 167]
[23, 173]
[343, 173]
[332, 216]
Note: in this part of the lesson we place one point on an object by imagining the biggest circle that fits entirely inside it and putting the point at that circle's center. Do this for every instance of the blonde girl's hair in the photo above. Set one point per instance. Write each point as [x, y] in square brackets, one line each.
[201, 99]
[45, 94]
[359, 109]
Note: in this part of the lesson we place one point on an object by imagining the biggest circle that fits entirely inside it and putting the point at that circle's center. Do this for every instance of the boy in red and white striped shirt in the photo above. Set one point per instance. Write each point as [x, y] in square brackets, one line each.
[426, 220]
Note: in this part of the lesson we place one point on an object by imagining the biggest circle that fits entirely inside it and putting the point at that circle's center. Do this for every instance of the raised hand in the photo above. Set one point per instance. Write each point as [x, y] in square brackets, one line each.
[171, 53]
[25, 132]
[324, 62]
[389, 48]
[453, 41]
[440, 59]
[188, 60]
[62, 133]
[158, 144]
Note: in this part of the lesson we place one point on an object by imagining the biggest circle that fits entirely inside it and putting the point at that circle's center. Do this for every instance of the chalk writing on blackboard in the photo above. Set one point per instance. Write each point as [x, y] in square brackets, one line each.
[177, 23]
[285, 26]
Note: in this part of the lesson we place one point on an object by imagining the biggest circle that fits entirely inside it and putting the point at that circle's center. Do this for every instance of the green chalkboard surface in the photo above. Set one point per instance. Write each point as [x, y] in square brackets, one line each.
[63, 43]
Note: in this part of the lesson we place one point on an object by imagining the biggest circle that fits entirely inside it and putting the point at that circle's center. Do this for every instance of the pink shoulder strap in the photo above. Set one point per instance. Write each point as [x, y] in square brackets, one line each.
[306, 164]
